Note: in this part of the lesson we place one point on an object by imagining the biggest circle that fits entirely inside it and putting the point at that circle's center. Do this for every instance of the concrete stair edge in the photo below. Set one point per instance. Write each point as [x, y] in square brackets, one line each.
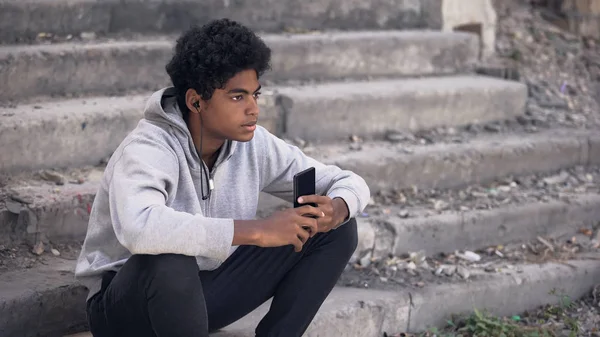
[139, 64]
[89, 129]
[61, 212]
[116, 17]
[347, 311]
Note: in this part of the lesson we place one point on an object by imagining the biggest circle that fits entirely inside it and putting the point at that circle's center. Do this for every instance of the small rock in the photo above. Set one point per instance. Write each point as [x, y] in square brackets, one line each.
[365, 261]
[38, 249]
[439, 271]
[492, 127]
[88, 35]
[463, 272]
[418, 257]
[469, 256]
[557, 179]
[504, 188]
[355, 146]
[53, 176]
[20, 197]
[523, 120]
[411, 266]
[490, 269]
[77, 181]
[383, 279]
[399, 136]
[440, 205]
[403, 214]
[13, 206]
[55, 252]
[420, 284]
[449, 270]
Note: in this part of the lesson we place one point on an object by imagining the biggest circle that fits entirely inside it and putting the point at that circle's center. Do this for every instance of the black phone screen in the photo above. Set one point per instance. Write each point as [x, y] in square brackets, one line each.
[304, 184]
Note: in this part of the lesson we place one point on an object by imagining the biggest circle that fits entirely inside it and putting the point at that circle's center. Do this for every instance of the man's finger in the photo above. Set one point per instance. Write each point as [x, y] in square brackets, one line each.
[317, 199]
[310, 210]
[310, 225]
[297, 245]
[303, 236]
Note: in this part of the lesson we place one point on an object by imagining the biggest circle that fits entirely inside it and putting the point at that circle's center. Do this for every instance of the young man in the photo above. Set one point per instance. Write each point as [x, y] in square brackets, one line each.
[173, 247]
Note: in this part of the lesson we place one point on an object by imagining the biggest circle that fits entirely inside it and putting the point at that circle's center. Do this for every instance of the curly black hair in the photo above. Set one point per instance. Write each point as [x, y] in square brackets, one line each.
[207, 57]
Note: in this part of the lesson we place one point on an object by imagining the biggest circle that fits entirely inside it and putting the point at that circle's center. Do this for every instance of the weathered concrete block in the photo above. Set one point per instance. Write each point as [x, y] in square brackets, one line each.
[77, 132]
[334, 111]
[385, 165]
[25, 19]
[343, 55]
[67, 133]
[47, 293]
[477, 17]
[116, 67]
[452, 231]
[503, 295]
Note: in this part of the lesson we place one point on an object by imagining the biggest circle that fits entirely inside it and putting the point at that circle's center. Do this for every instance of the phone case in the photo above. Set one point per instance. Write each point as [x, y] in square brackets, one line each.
[304, 184]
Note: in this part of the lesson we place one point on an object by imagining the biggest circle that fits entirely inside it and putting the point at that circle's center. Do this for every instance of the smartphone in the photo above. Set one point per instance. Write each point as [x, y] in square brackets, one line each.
[304, 184]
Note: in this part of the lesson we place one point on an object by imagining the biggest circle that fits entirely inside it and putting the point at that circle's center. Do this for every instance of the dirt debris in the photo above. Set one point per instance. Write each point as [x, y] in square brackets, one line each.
[510, 190]
[418, 269]
[561, 69]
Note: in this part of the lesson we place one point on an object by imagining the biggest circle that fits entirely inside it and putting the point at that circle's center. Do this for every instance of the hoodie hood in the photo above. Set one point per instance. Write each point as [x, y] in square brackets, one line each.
[162, 108]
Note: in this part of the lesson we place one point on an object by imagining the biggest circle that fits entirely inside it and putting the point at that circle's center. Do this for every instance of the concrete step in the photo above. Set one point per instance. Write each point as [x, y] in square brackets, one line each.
[115, 67]
[333, 111]
[386, 165]
[356, 312]
[473, 229]
[34, 207]
[83, 131]
[45, 301]
[23, 20]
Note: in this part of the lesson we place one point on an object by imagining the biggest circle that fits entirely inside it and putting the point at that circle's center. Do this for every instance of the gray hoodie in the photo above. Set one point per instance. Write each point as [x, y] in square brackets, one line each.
[149, 200]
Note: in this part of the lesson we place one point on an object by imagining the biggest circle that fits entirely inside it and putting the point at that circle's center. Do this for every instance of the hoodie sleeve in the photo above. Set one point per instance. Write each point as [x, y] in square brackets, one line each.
[143, 178]
[282, 161]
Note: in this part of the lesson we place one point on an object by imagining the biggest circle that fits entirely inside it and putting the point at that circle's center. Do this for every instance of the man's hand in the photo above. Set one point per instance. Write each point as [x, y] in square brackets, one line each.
[335, 211]
[288, 227]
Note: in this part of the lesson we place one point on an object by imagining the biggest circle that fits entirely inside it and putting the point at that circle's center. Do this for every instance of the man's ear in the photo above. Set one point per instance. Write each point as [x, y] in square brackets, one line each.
[193, 101]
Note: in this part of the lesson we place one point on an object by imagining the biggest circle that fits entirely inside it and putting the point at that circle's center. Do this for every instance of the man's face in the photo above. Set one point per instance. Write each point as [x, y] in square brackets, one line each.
[232, 112]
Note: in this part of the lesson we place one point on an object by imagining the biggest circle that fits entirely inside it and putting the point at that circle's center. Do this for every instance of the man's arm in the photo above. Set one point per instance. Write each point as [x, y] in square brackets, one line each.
[281, 161]
[143, 177]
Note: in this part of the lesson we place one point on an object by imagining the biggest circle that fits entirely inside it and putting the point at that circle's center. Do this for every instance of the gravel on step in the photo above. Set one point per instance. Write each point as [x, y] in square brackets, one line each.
[417, 270]
[504, 191]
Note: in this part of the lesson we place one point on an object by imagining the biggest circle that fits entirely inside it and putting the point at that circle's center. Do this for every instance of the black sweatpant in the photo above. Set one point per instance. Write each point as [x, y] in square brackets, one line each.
[166, 295]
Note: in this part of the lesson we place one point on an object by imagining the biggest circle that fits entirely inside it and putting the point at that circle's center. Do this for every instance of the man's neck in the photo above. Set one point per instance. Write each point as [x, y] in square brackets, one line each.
[210, 158]
[209, 151]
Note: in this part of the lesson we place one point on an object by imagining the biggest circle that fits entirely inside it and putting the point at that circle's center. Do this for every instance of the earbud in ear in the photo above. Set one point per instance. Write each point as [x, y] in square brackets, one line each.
[197, 105]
